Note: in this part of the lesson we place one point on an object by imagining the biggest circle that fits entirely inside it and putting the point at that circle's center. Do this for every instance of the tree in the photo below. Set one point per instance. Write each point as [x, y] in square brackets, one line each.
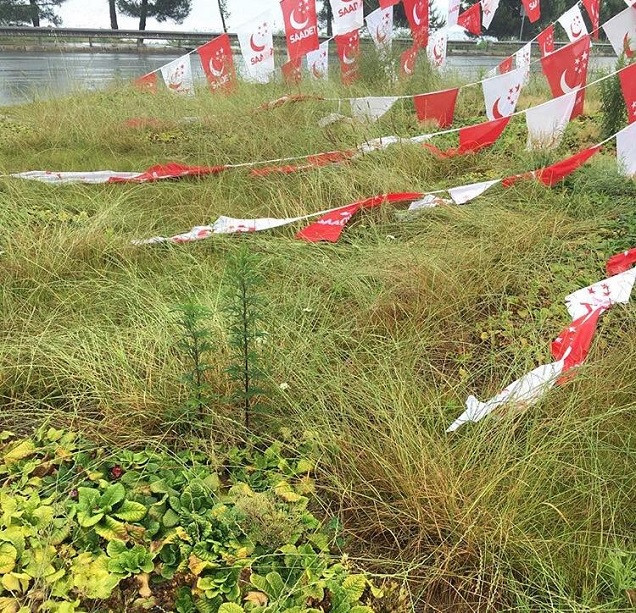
[224, 12]
[161, 10]
[113, 15]
[22, 12]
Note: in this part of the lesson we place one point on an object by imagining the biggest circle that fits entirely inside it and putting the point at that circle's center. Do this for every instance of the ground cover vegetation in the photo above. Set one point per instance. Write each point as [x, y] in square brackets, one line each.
[327, 478]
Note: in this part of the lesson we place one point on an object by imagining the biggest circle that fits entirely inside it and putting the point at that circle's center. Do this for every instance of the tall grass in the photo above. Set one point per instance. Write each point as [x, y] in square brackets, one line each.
[379, 339]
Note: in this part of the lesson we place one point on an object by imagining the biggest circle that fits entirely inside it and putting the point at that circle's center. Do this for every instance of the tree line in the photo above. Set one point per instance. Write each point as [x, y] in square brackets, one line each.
[509, 22]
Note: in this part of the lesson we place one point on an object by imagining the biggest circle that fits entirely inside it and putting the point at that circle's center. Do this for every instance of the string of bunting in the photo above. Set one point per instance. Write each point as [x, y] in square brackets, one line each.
[546, 123]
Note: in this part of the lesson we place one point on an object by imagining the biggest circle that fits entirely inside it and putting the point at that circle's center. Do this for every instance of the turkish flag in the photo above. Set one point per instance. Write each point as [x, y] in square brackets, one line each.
[533, 9]
[417, 16]
[573, 344]
[566, 69]
[348, 46]
[621, 262]
[437, 106]
[545, 39]
[301, 27]
[292, 71]
[147, 83]
[470, 19]
[627, 77]
[505, 65]
[218, 63]
[330, 226]
[593, 10]
[407, 61]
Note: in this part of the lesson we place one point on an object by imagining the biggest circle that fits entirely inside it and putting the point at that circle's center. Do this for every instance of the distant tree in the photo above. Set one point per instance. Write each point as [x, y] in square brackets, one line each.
[161, 10]
[224, 12]
[113, 15]
[22, 12]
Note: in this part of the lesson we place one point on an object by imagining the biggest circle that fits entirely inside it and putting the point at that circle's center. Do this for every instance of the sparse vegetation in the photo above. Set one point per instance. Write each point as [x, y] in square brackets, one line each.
[373, 343]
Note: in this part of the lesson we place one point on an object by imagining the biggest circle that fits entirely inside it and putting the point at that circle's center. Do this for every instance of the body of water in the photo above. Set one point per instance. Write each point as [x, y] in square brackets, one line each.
[27, 76]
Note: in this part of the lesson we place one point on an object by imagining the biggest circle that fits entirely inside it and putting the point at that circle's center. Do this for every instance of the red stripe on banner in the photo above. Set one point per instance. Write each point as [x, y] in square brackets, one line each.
[170, 171]
[621, 262]
[330, 226]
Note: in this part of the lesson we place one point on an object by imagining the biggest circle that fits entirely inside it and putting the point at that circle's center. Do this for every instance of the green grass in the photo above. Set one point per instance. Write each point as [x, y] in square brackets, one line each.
[380, 337]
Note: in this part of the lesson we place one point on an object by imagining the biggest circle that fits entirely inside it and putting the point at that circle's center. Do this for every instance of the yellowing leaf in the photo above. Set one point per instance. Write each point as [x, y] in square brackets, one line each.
[8, 557]
[258, 599]
[22, 450]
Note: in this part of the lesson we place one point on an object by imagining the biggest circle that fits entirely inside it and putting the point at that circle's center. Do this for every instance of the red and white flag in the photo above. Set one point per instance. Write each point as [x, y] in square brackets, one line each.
[523, 392]
[348, 46]
[627, 78]
[504, 66]
[347, 15]
[501, 93]
[292, 71]
[408, 60]
[573, 24]
[545, 40]
[488, 10]
[418, 18]
[621, 32]
[626, 150]
[547, 122]
[318, 62]
[621, 262]
[437, 106]
[574, 342]
[147, 83]
[470, 19]
[465, 193]
[523, 59]
[593, 10]
[453, 13]
[566, 70]
[601, 295]
[436, 48]
[177, 76]
[301, 27]
[257, 47]
[371, 108]
[380, 27]
[533, 9]
[218, 63]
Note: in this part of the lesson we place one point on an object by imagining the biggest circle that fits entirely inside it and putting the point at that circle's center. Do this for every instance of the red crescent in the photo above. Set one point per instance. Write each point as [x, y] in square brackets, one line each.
[256, 47]
[627, 49]
[495, 110]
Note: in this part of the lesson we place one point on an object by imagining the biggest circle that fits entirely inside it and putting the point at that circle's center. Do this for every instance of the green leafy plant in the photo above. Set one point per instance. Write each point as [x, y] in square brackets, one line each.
[614, 113]
[244, 309]
[125, 562]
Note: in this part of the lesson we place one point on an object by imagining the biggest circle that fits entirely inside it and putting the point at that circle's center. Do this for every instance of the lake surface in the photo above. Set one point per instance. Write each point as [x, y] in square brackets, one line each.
[27, 76]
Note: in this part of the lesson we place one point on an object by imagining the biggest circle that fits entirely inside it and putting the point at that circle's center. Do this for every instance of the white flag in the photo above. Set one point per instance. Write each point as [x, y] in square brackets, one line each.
[257, 47]
[453, 13]
[318, 62]
[525, 391]
[501, 93]
[547, 122]
[178, 76]
[371, 108]
[573, 24]
[605, 293]
[523, 60]
[380, 27]
[466, 193]
[96, 176]
[436, 48]
[488, 10]
[347, 15]
[621, 32]
[429, 201]
[626, 150]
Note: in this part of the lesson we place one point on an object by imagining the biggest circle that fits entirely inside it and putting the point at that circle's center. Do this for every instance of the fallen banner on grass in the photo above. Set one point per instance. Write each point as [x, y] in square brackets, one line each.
[571, 347]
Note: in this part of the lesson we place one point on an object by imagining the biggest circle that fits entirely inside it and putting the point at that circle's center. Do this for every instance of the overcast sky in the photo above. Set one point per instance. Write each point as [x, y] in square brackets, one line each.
[204, 16]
